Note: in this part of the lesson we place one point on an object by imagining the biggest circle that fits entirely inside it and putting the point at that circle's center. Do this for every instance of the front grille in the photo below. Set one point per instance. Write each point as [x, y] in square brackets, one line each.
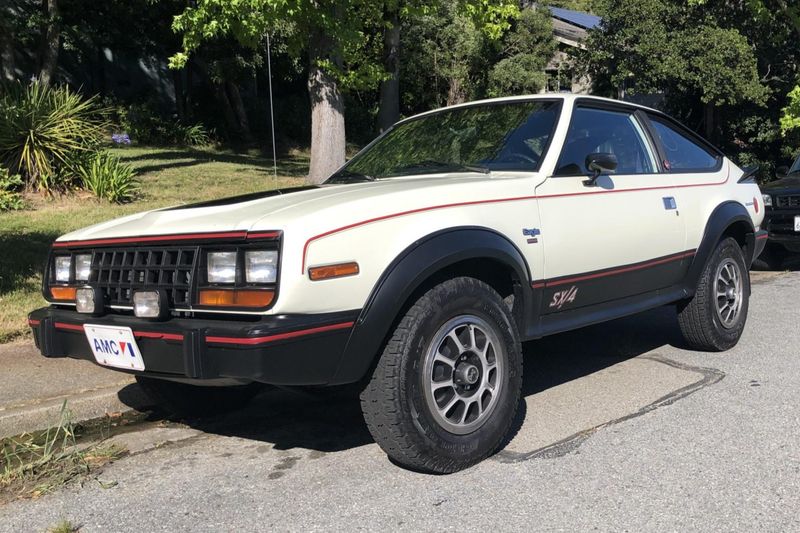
[783, 202]
[120, 272]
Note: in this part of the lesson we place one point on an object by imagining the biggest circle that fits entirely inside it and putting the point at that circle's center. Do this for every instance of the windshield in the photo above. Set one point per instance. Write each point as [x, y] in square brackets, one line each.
[795, 166]
[480, 138]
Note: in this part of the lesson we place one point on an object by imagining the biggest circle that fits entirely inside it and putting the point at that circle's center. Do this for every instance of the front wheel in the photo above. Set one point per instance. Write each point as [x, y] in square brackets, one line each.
[445, 391]
[713, 320]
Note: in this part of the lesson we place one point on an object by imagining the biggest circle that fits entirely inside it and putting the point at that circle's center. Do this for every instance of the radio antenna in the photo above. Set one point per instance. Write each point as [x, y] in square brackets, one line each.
[272, 118]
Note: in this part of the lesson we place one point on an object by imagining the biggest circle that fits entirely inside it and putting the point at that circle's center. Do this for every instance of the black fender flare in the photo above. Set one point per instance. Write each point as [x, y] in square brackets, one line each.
[723, 217]
[417, 263]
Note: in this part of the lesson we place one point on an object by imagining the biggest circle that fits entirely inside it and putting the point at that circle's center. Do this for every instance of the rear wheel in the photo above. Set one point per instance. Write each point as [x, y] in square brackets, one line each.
[713, 320]
[445, 391]
[197, 401]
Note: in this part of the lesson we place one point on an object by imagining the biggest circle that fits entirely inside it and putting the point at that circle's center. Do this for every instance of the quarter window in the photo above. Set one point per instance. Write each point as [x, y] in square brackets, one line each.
[599, 130]
[682, 153]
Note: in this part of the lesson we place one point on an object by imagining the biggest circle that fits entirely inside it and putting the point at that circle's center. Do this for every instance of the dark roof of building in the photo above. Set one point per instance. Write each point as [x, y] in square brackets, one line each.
[584, 20]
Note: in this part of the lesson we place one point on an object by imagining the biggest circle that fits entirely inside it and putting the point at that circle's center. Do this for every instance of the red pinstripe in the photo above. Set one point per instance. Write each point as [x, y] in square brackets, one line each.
[140, 334]
[278, 336]
[173, 237]
[621, 270]
[498, 200]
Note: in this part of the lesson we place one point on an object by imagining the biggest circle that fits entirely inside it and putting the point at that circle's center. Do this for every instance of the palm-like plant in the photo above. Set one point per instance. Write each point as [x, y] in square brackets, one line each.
[42, 128]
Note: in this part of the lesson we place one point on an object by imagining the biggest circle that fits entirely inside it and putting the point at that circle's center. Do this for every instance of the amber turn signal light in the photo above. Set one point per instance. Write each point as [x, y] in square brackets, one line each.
[63, 293]
[333, 271]
[236, 297]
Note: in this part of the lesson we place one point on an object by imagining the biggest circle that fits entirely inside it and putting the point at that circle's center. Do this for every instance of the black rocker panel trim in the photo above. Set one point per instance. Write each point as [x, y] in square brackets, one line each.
[419, 262]
[591, 288]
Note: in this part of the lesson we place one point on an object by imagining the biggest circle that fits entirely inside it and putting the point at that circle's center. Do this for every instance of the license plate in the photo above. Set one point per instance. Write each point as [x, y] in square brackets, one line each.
[797, 223]
[114, 346]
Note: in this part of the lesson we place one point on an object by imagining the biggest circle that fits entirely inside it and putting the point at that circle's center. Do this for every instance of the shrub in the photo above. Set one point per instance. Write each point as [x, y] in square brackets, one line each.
[143, 124]
[195, 135]
[41, 127]
[10, 185]
[109, 178]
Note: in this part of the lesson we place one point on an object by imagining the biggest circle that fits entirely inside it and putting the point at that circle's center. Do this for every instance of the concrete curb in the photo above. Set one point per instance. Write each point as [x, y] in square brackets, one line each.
[84, 406]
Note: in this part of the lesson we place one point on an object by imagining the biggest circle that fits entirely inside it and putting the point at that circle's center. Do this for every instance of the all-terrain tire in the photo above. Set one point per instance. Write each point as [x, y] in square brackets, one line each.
[702, 325]
[182, 399]
[399, 415]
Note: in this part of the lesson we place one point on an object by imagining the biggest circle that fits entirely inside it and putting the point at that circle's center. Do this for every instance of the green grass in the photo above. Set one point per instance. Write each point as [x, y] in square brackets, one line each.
[169, 176]
[34, 464]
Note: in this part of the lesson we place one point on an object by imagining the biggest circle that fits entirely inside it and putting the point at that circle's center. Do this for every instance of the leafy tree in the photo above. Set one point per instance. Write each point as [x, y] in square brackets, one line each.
[332, 35]
[526, 50]
[682, 50]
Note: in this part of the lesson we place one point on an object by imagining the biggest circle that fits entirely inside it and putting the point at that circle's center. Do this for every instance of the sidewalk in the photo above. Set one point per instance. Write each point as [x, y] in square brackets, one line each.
[33, 389]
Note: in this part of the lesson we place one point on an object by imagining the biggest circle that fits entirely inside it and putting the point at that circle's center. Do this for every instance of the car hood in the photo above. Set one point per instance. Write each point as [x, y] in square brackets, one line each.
[789, 184]
[275, 210]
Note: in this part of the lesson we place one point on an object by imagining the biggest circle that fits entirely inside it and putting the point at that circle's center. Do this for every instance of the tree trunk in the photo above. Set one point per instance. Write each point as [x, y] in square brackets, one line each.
[50, 42]
[709, 120]
[180, 101]
[389, 110]
[239, 110]
[222, 97]
[7, 59]
[327, 114]
[456, 94]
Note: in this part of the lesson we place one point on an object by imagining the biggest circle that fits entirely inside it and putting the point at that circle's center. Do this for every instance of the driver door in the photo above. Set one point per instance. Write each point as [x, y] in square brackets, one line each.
[621, 237]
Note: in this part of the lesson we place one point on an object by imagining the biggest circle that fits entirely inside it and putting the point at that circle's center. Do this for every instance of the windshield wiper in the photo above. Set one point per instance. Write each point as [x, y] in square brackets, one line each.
[443, 165]
[346, 176]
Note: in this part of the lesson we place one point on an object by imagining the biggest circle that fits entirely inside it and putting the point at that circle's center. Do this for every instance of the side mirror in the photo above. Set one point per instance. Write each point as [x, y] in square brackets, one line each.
[782, 171]
[598, 164]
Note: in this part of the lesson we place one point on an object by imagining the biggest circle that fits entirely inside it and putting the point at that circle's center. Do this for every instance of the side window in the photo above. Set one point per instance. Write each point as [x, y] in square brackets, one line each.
[683, 153]
[598, 130]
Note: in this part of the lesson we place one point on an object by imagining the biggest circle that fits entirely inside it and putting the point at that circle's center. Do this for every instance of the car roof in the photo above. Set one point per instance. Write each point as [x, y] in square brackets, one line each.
[566, 97]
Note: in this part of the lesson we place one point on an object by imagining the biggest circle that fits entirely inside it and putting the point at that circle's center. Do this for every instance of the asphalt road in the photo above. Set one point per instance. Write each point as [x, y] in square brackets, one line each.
[622, 430]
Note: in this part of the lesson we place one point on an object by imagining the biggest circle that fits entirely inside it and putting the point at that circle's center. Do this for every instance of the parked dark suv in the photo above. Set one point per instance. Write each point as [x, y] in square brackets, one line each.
[782, 219]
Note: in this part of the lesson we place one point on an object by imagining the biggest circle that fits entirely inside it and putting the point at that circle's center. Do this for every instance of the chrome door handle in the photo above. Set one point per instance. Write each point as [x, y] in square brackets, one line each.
[669, 203]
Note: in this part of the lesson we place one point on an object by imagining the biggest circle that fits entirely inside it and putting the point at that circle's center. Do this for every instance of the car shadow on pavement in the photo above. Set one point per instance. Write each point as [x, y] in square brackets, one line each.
[330, 420]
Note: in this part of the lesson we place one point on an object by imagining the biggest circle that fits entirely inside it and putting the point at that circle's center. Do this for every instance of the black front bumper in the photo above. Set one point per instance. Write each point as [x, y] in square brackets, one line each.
[780, 225]
[280, 350]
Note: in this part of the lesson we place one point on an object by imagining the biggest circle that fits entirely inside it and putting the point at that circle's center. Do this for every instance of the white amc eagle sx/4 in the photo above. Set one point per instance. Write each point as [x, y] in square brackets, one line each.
[418, 268]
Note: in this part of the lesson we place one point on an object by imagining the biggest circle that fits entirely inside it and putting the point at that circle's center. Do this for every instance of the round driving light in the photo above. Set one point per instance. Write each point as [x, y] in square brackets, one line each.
[63, 265]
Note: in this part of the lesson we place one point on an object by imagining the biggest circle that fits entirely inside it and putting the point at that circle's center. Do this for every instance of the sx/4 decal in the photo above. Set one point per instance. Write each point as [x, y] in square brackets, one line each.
[564, 297]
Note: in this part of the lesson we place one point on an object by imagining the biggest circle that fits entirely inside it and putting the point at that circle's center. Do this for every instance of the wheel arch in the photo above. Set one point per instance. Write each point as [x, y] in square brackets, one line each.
[729, 219]
[470, 251]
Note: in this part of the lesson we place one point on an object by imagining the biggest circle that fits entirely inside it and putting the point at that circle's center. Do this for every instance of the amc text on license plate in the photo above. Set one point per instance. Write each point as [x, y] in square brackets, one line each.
[114, 346]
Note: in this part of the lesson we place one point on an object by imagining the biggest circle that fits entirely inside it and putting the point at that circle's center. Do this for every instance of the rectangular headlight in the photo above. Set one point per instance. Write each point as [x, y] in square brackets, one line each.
[83, 267]
[221, 267]
[767, 200]
[63, 264]
[261, 266]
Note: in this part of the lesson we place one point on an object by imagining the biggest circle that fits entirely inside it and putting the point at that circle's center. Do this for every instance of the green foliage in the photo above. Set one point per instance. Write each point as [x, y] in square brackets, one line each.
[527, 50]
[10, 197]
[108, 178]
[145, 125]
[790, 115]
[338, 35]
[41, 127]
